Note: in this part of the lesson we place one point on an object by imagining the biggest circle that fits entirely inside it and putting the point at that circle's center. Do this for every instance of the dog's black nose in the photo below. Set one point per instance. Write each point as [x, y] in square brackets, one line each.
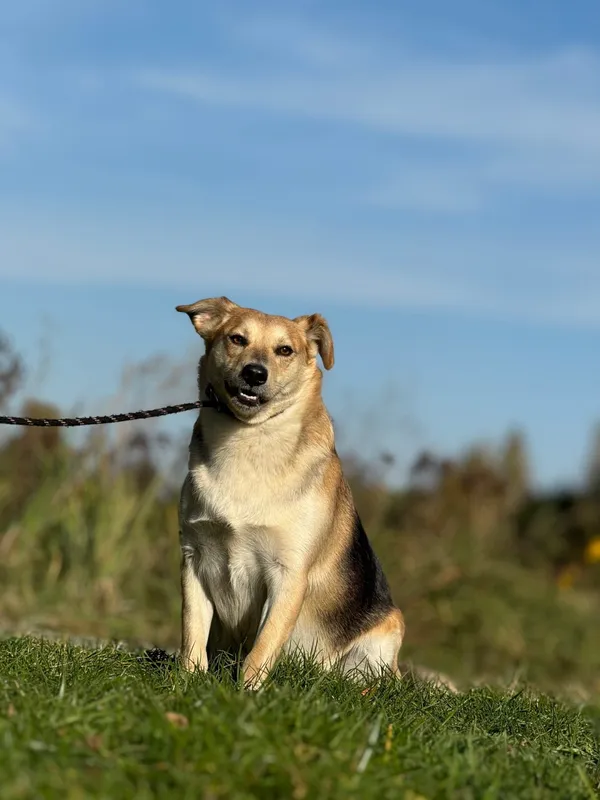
[255, 374]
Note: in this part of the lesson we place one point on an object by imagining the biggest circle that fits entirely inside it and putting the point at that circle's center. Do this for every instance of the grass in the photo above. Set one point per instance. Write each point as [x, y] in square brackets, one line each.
[78, 723]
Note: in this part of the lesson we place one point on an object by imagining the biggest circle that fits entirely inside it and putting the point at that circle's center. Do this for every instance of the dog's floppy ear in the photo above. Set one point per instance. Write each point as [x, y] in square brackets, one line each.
[319, 337]
[208, 315]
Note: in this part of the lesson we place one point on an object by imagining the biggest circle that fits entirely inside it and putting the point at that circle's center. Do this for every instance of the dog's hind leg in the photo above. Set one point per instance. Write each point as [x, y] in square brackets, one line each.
[375, 652]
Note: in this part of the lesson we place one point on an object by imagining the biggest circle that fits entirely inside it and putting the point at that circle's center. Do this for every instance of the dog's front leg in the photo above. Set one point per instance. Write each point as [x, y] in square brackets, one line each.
[284, 605]
[196, 617]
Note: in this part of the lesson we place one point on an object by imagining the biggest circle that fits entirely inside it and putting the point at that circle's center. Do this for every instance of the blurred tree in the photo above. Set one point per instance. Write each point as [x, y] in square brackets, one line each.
[26, 458]
[142, 455]
[514, 464]
[592, 476]
[11, 371]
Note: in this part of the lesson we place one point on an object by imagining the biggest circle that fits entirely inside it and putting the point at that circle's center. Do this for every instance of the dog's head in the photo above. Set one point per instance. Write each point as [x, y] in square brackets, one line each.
[258, 363]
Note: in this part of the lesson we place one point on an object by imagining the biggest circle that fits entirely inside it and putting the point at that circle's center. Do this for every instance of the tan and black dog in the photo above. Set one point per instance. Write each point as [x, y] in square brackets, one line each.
[274, 555]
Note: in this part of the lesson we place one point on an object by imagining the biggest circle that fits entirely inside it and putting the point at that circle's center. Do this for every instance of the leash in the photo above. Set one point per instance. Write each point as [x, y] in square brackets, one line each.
[76, 422]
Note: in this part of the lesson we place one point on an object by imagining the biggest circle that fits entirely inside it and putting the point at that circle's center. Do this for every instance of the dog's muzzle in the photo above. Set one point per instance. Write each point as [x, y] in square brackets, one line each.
[248, 390]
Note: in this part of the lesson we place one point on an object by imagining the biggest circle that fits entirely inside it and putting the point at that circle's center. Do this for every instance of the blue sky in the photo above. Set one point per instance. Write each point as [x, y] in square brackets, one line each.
[426, 175]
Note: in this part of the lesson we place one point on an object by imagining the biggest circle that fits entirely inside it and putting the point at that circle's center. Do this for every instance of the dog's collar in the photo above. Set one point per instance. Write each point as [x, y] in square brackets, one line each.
[214, 402]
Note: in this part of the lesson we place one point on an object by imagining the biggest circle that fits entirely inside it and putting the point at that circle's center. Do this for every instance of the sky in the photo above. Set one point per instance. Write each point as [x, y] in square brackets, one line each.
[426, 175]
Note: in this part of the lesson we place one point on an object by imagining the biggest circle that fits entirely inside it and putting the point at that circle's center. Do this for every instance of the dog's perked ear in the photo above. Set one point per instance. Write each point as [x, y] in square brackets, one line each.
[319, 336]
[208, 315]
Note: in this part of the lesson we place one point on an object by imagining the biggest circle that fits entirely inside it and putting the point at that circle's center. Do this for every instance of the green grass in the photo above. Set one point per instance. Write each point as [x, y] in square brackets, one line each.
[78, 723]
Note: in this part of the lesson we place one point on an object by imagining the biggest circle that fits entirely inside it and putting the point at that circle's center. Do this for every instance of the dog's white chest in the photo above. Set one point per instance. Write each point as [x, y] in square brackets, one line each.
[246, 485]
[233, 573]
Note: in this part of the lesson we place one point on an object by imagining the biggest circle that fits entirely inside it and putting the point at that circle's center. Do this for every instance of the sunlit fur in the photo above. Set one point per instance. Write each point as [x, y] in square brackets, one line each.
[274, 556]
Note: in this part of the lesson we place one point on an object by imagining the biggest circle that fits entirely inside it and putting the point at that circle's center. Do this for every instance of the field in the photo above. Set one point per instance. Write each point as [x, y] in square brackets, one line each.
[499, 585]
[80, 723]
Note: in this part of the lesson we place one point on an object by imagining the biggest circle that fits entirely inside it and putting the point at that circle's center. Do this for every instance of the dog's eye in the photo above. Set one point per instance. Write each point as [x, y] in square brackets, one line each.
[284, 350]
[237, 338]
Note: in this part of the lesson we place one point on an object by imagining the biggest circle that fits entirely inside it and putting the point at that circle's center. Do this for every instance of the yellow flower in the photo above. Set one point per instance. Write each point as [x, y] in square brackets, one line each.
[592, 551]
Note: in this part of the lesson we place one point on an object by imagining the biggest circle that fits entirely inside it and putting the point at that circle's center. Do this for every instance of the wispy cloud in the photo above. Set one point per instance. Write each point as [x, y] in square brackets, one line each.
[530, 123]
[519, 283]
[544, 103]
[444, 139]
[282, 264]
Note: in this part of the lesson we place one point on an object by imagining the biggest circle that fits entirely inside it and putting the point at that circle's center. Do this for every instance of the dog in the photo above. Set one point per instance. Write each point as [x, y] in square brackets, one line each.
[274, 557]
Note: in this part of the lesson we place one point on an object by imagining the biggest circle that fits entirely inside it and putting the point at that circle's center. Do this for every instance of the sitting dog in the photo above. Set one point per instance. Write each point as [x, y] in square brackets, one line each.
[274, 555]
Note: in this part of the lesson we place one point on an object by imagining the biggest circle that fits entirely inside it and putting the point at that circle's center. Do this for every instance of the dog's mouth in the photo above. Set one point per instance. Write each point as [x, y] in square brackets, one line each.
[245, 396]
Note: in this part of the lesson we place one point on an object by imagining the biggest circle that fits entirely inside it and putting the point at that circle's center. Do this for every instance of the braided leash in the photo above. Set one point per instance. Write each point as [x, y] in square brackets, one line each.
[74, 422]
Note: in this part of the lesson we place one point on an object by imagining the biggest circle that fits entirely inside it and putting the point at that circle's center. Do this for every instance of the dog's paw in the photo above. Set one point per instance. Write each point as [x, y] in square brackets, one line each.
[253, 683]
[253, 677]
[190, 664]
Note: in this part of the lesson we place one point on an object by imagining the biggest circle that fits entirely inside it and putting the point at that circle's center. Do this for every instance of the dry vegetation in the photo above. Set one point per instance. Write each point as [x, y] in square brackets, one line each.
[496, 582]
